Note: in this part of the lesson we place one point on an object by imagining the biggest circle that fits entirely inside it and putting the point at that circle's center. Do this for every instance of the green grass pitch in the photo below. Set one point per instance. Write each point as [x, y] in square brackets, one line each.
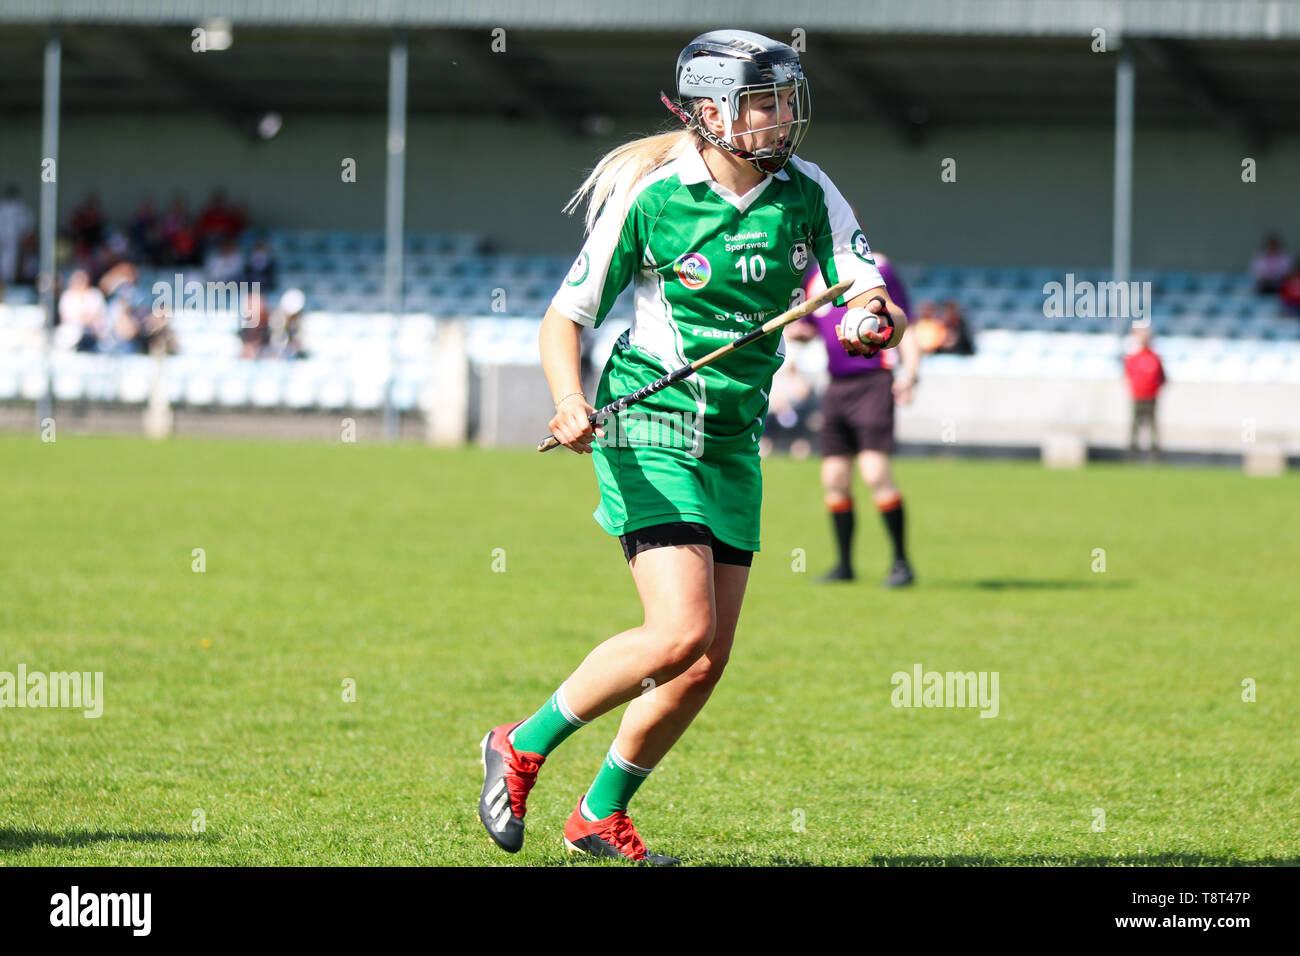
[226, 739]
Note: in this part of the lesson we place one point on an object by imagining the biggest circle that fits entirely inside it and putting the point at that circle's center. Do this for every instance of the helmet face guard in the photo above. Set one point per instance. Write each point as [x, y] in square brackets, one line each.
[730, 68]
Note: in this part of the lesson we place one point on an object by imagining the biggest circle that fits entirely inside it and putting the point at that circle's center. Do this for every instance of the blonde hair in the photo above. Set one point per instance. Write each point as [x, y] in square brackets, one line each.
[624, 166]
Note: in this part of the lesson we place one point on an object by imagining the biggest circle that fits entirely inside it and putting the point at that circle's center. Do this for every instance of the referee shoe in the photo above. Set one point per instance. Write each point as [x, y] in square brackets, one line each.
[900, 575]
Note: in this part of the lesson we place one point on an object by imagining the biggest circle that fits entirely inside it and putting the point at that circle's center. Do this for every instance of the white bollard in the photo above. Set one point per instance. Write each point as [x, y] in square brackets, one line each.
[1064, 450]
[446, 400]
[158, 417]
[1265, 460]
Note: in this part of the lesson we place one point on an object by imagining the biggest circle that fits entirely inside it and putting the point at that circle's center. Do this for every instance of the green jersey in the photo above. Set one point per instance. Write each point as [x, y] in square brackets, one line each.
[706, 267]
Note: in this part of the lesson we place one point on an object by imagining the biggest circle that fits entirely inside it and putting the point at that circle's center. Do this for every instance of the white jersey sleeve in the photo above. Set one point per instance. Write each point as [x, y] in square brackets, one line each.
[838, 241]
[607, 263]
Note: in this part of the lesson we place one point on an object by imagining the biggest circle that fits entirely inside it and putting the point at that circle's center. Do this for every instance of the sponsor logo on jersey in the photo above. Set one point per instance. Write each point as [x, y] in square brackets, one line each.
[746, 240]
[578, 274]
[799, 257]
[693, 270]
[860, 247]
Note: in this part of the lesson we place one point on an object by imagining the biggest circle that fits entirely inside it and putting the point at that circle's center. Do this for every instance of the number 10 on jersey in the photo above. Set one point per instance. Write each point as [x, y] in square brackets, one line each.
[755, 269]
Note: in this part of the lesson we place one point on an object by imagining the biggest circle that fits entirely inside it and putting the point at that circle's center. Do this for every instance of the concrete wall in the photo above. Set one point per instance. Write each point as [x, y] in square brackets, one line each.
[1022, 195]
[1229, 418]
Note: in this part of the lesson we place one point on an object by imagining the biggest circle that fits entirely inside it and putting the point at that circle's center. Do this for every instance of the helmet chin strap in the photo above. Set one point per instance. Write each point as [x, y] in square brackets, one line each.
[763, 165]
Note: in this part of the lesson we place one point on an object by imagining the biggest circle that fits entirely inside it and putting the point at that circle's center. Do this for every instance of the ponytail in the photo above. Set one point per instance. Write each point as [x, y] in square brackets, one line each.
[624, 166]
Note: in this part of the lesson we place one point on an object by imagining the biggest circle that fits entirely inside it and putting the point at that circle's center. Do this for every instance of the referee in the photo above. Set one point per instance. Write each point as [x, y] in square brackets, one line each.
[858, 422]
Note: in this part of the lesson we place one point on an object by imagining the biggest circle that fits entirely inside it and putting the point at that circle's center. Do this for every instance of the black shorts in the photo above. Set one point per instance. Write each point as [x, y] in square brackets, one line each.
[858, 414]
[682, 532]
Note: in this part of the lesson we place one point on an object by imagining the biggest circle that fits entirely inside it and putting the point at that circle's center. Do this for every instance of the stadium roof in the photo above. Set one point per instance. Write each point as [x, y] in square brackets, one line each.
[592, 80]
[1241, 19]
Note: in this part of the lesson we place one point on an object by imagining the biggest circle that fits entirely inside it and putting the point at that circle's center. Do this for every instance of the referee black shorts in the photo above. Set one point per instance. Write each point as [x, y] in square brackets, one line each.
[858, 414]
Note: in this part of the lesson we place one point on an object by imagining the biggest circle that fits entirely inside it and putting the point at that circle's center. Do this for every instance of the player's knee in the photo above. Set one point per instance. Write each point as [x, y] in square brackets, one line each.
[883, 488]
[706, 672]
[683, 641]
[837, 485]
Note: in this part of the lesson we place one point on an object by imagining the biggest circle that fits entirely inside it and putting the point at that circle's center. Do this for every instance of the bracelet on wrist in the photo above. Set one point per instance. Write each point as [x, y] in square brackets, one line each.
[564, 398]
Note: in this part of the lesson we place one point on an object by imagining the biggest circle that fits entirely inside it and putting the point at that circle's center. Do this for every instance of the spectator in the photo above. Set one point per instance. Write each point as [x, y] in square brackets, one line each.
[29, 260]
[225, 264]
[1289, 291]
[132, 324]
[1270, 266]
[261, 265]
[82, 306]
[16, 221]
[87, 225]
[145, 231]
[929, 330]
[255, 332]
[219, 220]
[957, 339]
[286, 321]
[791, 404]
[1145, 377]
[181, 243]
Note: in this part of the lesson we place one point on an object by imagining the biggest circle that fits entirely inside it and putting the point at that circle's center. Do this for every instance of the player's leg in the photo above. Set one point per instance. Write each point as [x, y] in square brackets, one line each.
[838, 445]
[656, 719]
[837, 492]
[874, 465]
[652, 723]
[1155, 431]
[676, 588]
[873, 424]
[1135, 425]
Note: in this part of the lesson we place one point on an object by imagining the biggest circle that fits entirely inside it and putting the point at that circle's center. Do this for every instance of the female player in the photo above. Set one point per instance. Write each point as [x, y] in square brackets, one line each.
[715, 225]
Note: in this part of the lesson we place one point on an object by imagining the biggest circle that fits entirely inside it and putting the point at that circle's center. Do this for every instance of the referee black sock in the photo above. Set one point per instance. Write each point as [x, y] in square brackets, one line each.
[842, 520]
[891, 512]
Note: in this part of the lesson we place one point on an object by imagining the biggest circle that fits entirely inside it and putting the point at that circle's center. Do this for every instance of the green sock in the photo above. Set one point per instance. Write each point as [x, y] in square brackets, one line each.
[548, 728]
[613, 787]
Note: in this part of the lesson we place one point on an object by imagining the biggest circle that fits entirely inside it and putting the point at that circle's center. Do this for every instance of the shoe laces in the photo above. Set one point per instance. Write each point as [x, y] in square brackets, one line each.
[625, 836]
[521, 772]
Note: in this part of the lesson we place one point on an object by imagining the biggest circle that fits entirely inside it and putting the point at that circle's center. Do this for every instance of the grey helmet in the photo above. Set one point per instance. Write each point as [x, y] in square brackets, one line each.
[729, 66]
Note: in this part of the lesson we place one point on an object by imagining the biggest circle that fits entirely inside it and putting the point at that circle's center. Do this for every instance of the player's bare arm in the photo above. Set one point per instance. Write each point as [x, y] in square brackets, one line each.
[561, 351]
[905, 382]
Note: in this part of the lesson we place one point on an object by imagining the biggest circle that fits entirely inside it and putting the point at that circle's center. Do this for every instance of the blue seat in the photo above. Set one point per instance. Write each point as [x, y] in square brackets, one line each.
[945, 276]
[1265, 308]
[1213, 283]
[1175, 282]
[337, 240]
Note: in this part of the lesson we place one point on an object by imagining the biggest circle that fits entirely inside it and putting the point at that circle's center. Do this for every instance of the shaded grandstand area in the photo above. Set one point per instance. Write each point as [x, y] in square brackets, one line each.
[910, 84]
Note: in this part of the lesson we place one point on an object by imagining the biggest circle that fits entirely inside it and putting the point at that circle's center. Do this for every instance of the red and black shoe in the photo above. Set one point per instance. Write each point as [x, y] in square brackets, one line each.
[613, 837]
[508, 775]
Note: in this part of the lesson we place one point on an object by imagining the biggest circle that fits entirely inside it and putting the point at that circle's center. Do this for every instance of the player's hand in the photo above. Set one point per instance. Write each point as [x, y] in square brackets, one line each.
[904, 389]
[875, 341]
[572, 426]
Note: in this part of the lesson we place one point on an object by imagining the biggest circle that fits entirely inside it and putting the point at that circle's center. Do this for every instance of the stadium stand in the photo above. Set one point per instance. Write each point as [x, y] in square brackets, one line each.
[355, 352]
